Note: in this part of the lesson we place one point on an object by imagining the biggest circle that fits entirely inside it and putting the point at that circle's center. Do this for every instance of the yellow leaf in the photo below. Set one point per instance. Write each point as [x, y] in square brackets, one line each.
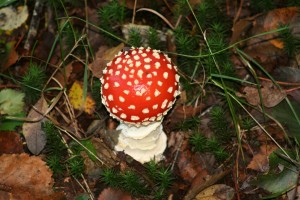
[77, 99]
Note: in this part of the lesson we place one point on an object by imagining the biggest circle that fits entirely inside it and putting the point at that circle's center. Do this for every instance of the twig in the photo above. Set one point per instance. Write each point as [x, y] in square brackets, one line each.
[34, 24]
[158, 14]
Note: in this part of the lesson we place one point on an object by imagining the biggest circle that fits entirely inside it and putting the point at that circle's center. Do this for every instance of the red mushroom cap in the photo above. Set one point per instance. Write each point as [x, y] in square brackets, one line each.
[139, 86]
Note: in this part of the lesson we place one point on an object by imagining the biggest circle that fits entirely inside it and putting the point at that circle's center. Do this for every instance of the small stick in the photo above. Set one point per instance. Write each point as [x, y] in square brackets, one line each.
[34, 24]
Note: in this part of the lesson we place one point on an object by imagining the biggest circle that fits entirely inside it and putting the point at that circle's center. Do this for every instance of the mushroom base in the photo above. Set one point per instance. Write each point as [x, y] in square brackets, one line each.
[142, 143]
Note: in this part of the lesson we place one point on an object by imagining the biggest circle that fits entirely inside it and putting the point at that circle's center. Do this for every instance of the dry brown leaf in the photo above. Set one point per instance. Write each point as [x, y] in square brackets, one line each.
[21, 172]
[216, 192]
[260, 161]
[271, 95]
[12, 57]
[113, 194]
[102, 57]
[63, 75]
[10, 142]
[34, 135]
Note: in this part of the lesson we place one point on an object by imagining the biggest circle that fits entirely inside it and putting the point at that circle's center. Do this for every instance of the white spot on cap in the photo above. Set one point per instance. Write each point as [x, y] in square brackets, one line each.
[144, 54]
[138, 63]
[131, 65]
[159, 83]
[156, 93]
[149, 76]
[145, 110]
[148, 98]
[170, 89]
[149, 83]
[117, 73]
[167, 57]
[136, 81]
[170, 104]
[164, 104]
[123, 116]
[166, 75]
[132, 71]
[126, 69]
[155, 106]
[124, 76]
[129, 83]
[131, 107]
[157, 65]
[106, 85]
[136, 57]
[110, 97]
[109, 63]
[177, 77]
[154, 73]
[159, 116]
[140, 73]
[114, 110]
[176, 93]
[105, 71]
[126, 92]
[121, 99]
[116, 84]
[102, 81]
[152, 119]
[169, 66]
[110, 71]
[118, 60]
[133, 52]
[129, 61]
[134, 118]
[147, 66]
[119, 66]
[147, 60]
[156, 55]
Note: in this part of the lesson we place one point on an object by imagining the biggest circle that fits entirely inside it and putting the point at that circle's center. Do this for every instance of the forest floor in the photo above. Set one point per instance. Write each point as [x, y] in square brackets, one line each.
[231, 134]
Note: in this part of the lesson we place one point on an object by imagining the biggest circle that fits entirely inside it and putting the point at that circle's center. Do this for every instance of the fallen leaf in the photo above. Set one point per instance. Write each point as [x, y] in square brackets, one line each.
[102, 57]
[282, 175]
[21, 172]
[11, 101]
[10, 142]
[34, 135]
[77, 101]
[271, 95]
[63, 75]
[10, 56]
[12, 18]
[260, 161]
[113, 194]
[216, 192]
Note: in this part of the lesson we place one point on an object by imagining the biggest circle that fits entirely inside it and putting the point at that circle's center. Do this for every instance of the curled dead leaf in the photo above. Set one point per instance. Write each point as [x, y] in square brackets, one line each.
[271, 95]
[102, 57]
[216, 192]
[34, 135]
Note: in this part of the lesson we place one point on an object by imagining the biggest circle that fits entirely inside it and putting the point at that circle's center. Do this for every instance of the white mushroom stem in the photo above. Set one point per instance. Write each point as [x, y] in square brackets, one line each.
[142, 143]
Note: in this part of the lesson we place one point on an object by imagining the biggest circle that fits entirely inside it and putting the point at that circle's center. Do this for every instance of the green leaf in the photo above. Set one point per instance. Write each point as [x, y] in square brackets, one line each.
[11, 101]
[283, 113]
[4, 3]
[10, 124]
[282, 175]
[89, 145]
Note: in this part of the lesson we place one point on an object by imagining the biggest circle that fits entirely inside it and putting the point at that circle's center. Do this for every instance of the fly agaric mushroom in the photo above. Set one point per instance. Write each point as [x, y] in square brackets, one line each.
[139, 86]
